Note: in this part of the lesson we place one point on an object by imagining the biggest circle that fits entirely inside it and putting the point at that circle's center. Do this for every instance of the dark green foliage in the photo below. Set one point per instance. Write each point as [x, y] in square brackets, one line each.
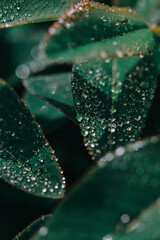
[103, 93]
[25, 158]
[92, 209]
[98, 64]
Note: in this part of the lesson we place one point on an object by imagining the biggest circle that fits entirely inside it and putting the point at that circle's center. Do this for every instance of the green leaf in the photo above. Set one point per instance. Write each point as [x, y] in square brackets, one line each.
[149, 9]
[13, 13]
[32, 228]
[124, 182]
[26, 159]
[145, 227]
[96, 22]
[112, 99]
[126, 3]
[55, 89]
[157, 53]
[46, 115]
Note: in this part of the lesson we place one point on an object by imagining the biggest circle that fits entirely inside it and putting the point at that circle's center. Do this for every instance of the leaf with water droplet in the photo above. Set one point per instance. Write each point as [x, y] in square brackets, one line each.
[47, 116]
[122, 185]
[95, 22]
[112, 100]
[55, 89]
[33, 227]
[149, 9]
[26, 159]
[14, 13]
[145, 227]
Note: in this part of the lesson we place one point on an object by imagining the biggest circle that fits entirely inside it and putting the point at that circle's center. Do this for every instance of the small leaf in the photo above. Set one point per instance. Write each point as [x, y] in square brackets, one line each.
[95, 22]
[46, 115]
[20, 12]
[55, 89]
[112, 100]
[145, 227]
[125, 182]
[26, 159]
[33, 227]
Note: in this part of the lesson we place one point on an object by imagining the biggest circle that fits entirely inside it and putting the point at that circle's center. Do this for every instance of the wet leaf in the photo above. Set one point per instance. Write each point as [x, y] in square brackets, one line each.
[96, 22]
[13, 12]
[46, 115]
[26, 159]
[112, 99]
[124, 182]
[32, 228]
[149, 9]
[55, 89]
[145, 227]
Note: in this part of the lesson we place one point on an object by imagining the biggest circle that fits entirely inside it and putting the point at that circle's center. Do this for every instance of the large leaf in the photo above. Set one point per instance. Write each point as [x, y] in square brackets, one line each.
[26, 159]
[33, 227]
[81, 29]
[46, 115]
[112, 99]
[55, 89]
[19, 12]
[145, 227]
[125, 182]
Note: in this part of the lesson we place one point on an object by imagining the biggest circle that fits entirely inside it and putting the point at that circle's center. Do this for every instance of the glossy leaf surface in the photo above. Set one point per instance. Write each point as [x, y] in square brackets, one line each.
[131, 44]
[55, 89]
[145, 227]
[26, 159]
[112, 99]
[125, 182]
[32, 228]
[46, 115]
[95, 22]
[19, 12]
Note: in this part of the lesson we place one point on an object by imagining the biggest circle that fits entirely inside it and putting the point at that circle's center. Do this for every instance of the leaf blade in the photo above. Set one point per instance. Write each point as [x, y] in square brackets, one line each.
[26, 158]
[55, 89]
[22, 12]
[93, 208]
[112, 101]
[95, 21]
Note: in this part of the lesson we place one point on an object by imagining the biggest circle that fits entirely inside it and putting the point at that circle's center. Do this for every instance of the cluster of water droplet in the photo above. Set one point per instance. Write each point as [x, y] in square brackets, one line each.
[112, 102]
[26, 159]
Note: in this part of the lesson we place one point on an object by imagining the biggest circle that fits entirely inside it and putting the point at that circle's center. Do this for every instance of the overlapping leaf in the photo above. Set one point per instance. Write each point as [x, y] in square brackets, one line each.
[149, 9]
[112, 99]
[26, 159]
[79, 32]
[55, 89]
[46, 115]
[97, 205]
[15, 12]
[145, 227]
[32, 228]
